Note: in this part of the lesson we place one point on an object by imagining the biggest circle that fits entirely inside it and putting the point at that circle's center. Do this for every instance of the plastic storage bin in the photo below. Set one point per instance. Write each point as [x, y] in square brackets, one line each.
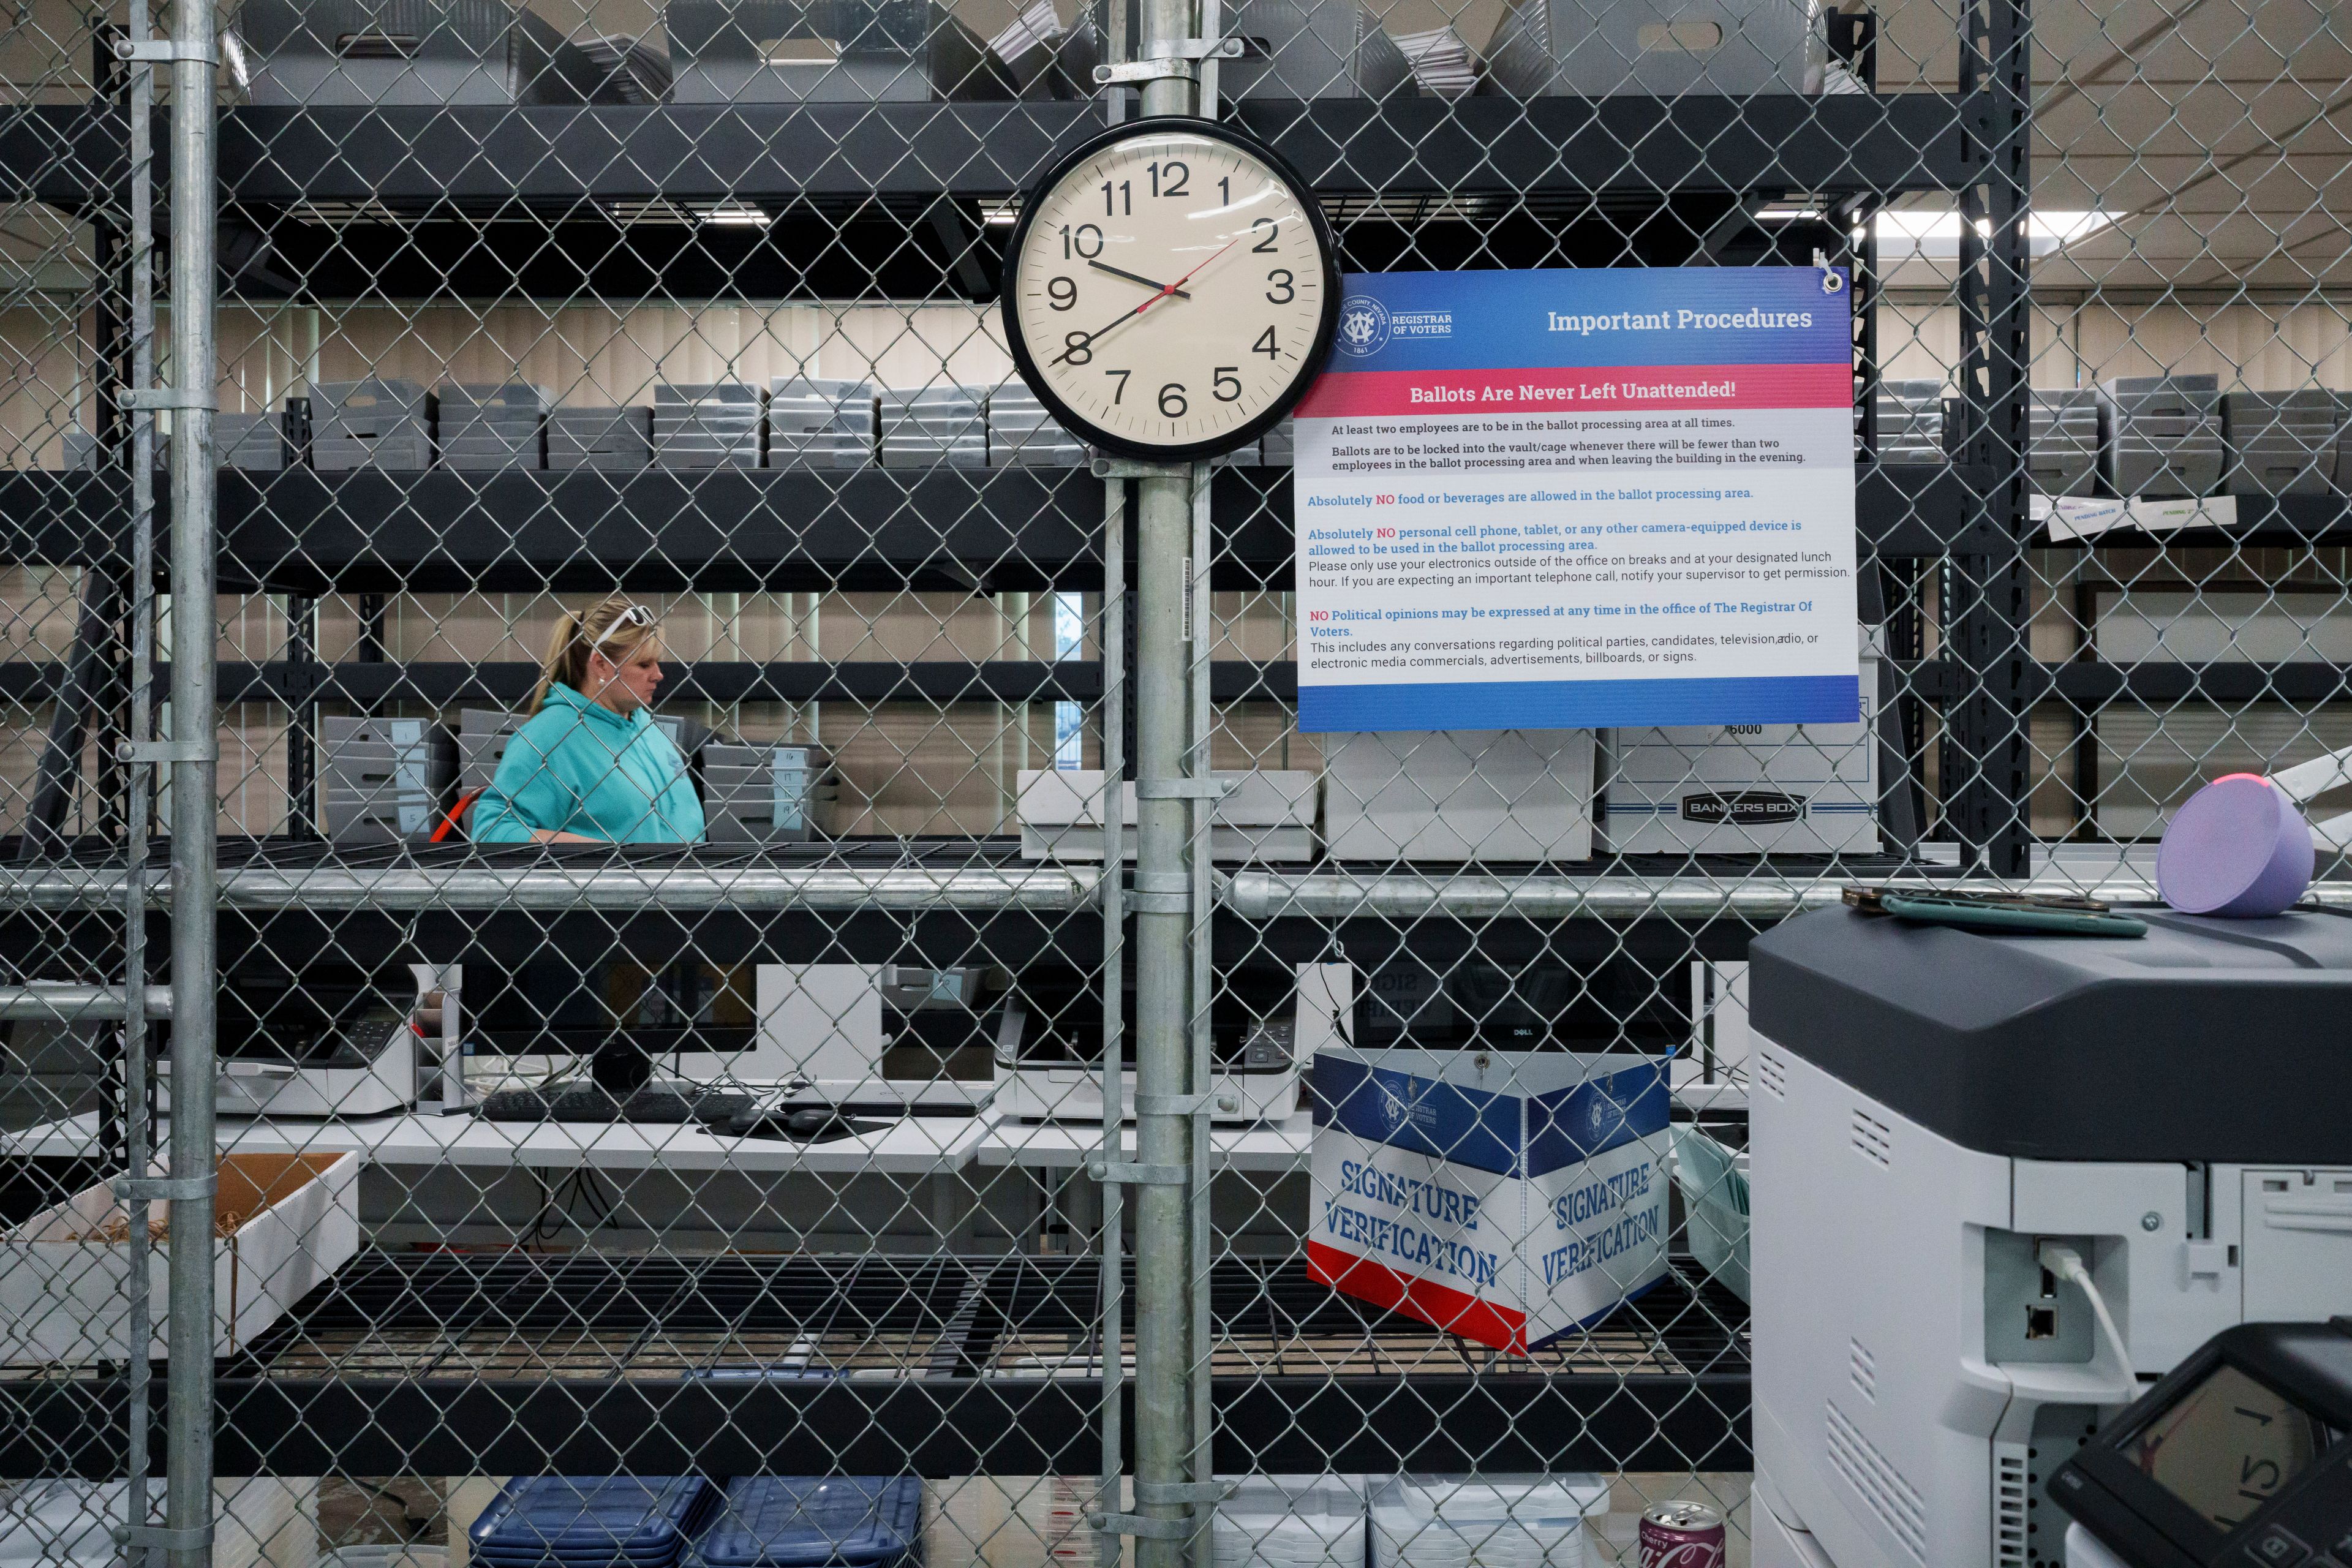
[1714, 1183]
[575, 1521]
[803, 1522]
[1291, 1522]
[1485, 1521]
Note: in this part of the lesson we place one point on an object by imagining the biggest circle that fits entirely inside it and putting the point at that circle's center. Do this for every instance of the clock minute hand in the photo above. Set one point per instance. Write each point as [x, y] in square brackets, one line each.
[1137, 277]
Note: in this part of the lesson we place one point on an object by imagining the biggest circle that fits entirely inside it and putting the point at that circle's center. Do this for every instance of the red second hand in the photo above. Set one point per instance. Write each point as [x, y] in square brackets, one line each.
[1172, 288]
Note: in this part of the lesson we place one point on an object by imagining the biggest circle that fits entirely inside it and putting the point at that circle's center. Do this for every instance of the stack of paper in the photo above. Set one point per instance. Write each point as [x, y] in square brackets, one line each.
[1441, 62]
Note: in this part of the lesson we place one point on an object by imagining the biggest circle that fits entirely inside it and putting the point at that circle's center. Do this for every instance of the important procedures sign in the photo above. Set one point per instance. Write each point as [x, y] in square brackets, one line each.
[1559, 499]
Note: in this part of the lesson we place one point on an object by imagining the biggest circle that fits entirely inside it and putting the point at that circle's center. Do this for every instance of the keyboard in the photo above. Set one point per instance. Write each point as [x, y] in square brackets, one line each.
[653, 1105]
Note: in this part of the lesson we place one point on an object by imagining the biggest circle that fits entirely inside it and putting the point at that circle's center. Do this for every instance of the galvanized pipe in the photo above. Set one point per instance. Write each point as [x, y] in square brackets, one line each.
[138, 1135]
[65, 1004]
[1111, 1549]
[195, 784]
[1163, 1006]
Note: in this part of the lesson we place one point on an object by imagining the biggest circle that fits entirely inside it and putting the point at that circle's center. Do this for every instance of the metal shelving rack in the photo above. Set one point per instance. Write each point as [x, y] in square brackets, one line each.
[364, 1360]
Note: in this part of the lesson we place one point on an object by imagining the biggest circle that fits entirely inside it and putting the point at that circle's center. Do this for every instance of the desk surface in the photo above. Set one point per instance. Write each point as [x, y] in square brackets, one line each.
[1271, 1146]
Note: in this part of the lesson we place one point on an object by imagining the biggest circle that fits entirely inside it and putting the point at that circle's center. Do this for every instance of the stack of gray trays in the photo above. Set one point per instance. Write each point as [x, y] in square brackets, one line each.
[1275, 449]
[253, 441]
[482, 737]
[935, 426]
[820, 423]
[707, 425]
[2282, 443]
[753, 795]
[2160, 435]
[372, 424]
[494, 427]
[827, 51]
[386, 780]
[615, 439]
[2062, 454]
[1307, 48]
[1592, 49]
[1910, 421]
[1022, 435]
[630, 70]
[311, 54]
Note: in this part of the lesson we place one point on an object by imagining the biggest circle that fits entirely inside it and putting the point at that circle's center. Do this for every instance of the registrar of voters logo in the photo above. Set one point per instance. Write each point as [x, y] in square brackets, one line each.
[1363, 326]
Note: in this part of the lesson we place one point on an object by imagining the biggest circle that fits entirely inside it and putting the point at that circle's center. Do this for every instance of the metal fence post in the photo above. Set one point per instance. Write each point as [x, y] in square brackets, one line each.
[194, 789]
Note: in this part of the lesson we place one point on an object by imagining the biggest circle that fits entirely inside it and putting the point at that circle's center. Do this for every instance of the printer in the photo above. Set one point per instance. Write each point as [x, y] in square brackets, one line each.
[1970, 1154]
[330, 1043]
[1268, 1019]
[887, 1035]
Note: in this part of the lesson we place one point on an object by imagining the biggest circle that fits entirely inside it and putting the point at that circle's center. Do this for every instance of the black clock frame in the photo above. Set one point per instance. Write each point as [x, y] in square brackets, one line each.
[1311, 365]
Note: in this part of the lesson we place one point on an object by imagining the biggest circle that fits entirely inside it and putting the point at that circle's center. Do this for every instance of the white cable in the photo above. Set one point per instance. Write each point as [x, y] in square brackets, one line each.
[2067, 1264]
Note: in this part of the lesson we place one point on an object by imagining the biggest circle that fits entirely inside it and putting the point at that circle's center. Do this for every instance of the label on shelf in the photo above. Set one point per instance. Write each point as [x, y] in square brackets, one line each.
[1553, 499]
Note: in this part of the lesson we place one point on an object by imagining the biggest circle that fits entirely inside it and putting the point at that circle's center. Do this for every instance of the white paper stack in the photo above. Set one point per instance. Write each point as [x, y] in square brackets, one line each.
[1441, 62]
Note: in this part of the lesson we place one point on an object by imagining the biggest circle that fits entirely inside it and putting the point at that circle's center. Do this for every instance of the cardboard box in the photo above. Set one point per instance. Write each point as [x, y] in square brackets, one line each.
[291, 1221]
[1509, 1197]
[1746, 789]
[1459, 795]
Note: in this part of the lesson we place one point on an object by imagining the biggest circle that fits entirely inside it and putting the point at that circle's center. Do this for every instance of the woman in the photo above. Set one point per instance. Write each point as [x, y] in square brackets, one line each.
[591, 767]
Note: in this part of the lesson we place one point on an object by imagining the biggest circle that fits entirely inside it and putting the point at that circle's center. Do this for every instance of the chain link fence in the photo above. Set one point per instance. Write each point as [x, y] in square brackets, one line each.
[653, 352]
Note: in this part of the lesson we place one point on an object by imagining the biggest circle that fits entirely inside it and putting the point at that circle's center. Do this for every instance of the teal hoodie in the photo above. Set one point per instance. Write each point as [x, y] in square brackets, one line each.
[578, 767]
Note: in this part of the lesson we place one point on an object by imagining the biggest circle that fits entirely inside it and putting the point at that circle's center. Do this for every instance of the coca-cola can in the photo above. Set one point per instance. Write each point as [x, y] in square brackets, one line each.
[1681, 1535]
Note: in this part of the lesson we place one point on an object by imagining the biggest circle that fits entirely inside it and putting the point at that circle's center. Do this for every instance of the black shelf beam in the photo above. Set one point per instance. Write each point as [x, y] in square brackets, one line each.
[2090, 684]
[2291, 521]
[503, 162]
[442, 530]
[337, 1389]
[442, 684]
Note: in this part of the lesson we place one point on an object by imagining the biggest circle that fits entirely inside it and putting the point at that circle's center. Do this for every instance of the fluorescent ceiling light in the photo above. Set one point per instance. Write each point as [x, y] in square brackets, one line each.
[735, 215]
[1929, 233]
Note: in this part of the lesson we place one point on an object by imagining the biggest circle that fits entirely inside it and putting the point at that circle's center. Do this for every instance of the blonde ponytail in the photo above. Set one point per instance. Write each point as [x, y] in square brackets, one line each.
[578, 634]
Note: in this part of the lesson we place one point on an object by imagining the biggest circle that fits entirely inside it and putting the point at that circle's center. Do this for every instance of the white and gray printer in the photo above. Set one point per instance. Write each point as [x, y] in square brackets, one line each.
[1942, 1125]
[869, 1034]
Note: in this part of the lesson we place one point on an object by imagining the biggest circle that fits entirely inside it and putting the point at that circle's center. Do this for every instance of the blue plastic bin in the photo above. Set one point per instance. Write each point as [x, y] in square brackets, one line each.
[800, 1521]
[592, 1521]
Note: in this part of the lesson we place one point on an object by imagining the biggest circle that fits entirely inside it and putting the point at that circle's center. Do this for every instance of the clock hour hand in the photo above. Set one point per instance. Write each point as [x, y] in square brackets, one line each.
[1138, 277]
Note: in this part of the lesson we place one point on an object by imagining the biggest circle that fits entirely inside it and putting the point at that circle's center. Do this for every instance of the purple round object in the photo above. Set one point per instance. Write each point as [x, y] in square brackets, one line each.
[2238, 848]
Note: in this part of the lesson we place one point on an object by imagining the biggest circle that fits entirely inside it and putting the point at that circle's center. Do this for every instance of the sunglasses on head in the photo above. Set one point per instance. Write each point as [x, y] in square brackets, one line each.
[635, 616]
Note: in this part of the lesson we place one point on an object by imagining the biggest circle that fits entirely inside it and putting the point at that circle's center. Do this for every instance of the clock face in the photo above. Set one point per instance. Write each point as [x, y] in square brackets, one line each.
[2227, 1447]
[1171, 290]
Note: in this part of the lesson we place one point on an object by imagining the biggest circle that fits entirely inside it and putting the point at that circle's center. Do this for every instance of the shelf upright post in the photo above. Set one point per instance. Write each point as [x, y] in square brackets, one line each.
[193, 753]
[140, 796]
[1990, 609]
[1165, 912]
[1113, 1342]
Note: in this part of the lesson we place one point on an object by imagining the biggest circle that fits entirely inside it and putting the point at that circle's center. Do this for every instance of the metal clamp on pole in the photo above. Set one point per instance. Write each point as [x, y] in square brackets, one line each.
[1154, 1528]
[1133, 1175]
[163, 52]
[1176, 62]
[1185, 789]
[161, 753]
[169, 1189]
[1161, 893]
[1178, 1493]
[1129, 468]
[156, 1537]
[1185, 1105]
[157, 399]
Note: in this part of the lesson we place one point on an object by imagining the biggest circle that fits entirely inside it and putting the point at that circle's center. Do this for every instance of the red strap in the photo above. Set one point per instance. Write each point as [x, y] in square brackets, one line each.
[443, 828]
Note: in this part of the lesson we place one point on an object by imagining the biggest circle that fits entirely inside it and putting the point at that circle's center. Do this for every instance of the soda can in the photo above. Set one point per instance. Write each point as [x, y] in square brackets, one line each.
[1681, 1535]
